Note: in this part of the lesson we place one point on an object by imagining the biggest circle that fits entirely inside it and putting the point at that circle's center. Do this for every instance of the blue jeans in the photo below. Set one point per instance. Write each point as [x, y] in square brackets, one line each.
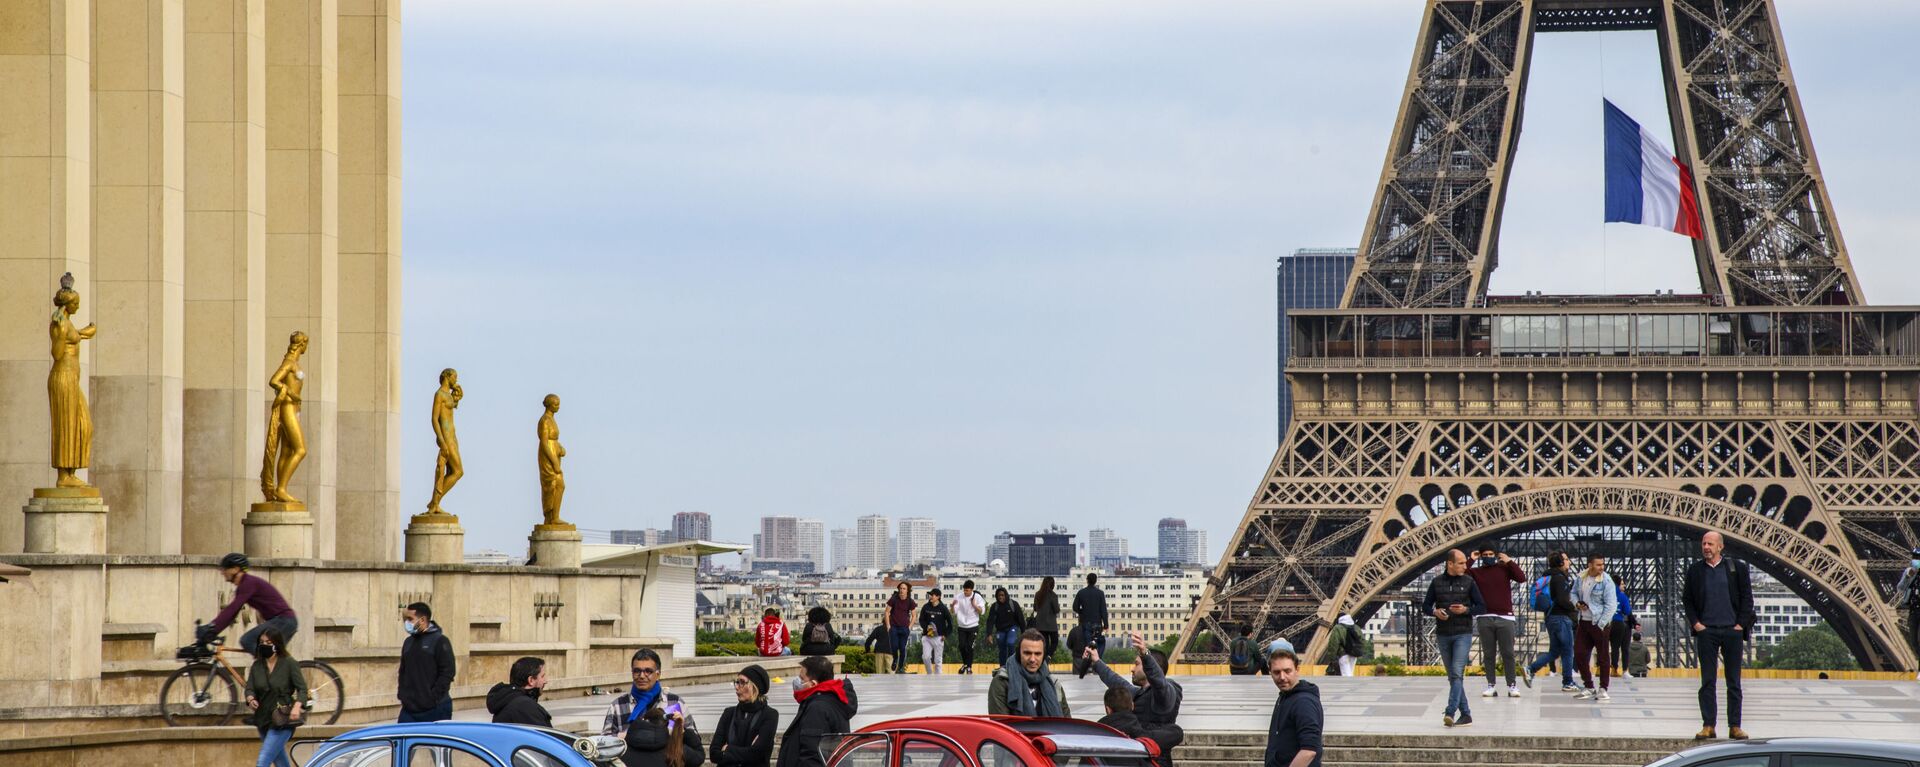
[1559, 647]
[273, 748]
[440, 712]
[1453, 654]
[900, 636]
[287, 624]
[1008, 643]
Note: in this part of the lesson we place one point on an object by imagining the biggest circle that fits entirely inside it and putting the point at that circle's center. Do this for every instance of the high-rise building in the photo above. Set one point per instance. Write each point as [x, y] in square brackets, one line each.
[1311, 278]
[779, 538]
[810, 537]
[1181, 545]
[1106, 549]
[872, 538]
[646, 537]
[692, 526]
[843, 549]
[916, 541]
[946, 547]
[998, 549]
[1047, 553]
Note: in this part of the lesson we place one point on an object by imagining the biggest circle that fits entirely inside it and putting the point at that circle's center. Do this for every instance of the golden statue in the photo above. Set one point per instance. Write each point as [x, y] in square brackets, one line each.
[286, 444]
[72, 424]
[553, 483]
[447, 468]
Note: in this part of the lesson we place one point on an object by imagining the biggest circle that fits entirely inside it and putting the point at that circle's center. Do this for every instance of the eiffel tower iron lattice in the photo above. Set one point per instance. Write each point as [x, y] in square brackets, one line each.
[1774, 406]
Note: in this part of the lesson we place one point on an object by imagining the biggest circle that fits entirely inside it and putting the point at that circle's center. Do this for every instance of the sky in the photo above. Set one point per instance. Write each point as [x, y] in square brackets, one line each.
[1000, 264]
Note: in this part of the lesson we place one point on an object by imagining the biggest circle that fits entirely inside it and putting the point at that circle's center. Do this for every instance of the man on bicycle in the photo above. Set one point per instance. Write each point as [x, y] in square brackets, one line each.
[250, 591]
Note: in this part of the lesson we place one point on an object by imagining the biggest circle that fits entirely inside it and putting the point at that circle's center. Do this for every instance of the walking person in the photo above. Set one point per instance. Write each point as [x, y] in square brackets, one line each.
[770, 638]
[1352, 644]
[278, 696]
[827, 706]
[1719, 603]
[517, 700]
[1023, 686]
[936, 623]
[1495, 573]
[1005, 618]
[880, 645]
[1046, 615]
[1620, 631]
[744, 737]
[1594, 596]
[1293, 734]
[1090, 611]
[819, 638]
[967, 611]
[1555, 598]
[1243, 654]
[1453, 599]
[426, 668]
[900, 623]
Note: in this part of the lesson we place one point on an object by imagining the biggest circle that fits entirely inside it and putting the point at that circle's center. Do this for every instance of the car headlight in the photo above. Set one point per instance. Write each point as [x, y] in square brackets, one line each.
[600, 748]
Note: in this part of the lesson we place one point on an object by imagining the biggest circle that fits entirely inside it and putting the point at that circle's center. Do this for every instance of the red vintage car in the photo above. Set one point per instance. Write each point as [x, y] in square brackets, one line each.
[989, 741]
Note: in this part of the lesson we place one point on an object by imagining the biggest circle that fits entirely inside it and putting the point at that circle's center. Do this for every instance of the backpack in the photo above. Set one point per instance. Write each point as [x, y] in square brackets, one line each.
[1542, 600]
[1242, 653]
[1352, 644]
[819, 634]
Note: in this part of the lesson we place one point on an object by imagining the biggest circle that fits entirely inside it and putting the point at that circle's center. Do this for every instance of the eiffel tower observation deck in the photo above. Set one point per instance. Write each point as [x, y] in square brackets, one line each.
[1770, 403]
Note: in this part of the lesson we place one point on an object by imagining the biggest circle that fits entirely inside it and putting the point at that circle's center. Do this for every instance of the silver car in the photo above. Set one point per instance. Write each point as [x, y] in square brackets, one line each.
[1797, 752]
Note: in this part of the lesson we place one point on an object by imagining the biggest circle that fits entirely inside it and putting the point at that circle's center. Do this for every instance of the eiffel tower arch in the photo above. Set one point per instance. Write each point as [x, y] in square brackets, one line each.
[1773, 406]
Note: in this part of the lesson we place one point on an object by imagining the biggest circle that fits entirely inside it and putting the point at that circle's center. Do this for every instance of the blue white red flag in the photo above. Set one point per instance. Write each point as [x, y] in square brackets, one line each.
[1646, 183]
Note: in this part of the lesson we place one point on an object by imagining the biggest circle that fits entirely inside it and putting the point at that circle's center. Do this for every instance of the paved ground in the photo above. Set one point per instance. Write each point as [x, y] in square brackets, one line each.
[1399, 705]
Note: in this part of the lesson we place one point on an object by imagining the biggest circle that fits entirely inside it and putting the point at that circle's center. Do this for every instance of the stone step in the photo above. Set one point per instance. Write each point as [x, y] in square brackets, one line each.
[1331, 761]
[1344, 754]
[1465, 740]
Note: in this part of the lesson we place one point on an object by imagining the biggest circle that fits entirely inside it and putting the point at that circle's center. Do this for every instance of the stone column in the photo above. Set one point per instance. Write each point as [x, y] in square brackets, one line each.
[436, 539]
[368, 496]
[303, 274]
[226, 221]
[554, 546]
[139, 241]
[45, 214]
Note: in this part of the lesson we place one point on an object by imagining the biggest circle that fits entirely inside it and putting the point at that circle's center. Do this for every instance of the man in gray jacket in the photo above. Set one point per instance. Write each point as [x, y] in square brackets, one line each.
[1594, 593]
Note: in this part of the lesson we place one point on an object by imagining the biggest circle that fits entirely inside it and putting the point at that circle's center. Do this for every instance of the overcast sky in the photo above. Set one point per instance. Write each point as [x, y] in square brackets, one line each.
[1001, 264]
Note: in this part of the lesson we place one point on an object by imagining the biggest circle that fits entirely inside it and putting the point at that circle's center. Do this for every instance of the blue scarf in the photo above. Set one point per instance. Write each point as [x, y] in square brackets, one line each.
[642, 701]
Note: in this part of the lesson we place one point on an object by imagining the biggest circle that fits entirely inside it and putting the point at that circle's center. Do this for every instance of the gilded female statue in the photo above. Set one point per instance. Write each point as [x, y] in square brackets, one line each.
[72, 424]
[447, 468]
[286, 444]
[553, 484]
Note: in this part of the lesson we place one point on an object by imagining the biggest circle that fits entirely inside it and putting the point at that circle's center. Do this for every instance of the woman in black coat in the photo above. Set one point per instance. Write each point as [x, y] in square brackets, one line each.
[661, 739]
[745, 735]
[819, 638]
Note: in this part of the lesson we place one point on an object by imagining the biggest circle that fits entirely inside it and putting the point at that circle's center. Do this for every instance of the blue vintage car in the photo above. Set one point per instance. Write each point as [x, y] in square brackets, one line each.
[459, 744]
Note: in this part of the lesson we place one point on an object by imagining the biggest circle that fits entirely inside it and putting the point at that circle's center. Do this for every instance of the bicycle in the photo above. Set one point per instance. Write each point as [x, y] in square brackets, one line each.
[206, 691]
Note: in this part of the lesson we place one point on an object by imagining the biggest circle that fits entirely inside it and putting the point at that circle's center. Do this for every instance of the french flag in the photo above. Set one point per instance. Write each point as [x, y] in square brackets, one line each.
[1646, 183]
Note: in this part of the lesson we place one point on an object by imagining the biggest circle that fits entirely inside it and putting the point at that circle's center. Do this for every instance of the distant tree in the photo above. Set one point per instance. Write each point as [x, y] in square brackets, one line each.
[1814, 647]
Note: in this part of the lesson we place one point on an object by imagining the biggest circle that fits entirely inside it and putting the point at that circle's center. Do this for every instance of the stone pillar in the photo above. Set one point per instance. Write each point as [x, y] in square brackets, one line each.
[276, 533]
[554, 546]
[436, 539]
[45, 214]
[368, 496]
[226, 224]
[66, 520]
[139, 240]
[302, 187]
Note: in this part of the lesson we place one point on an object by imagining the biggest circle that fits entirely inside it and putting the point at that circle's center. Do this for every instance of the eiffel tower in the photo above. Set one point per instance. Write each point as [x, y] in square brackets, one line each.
[1773, 406]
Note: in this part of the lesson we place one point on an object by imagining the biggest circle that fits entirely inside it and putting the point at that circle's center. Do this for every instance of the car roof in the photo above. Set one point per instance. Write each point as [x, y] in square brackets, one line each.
[1013, 727]
[1849, 746]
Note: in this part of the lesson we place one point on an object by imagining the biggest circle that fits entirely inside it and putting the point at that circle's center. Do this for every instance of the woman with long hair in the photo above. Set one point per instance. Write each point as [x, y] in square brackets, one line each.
[900, 623]
[745, 735]
[1007, 621]
[277, 694]
[1046, 615]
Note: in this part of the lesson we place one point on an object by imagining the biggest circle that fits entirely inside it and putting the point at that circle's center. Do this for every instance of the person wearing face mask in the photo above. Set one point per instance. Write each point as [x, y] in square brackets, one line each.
[517, 700]
[1495, 573]
[426, 668]
[827, 706]
[277, 695]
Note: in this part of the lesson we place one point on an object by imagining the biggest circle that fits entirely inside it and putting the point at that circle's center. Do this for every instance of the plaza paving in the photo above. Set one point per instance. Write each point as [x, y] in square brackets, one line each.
[1885, 710]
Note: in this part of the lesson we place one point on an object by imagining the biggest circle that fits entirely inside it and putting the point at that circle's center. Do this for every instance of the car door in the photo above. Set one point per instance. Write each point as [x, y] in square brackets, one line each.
[931, 751]
[448, 753]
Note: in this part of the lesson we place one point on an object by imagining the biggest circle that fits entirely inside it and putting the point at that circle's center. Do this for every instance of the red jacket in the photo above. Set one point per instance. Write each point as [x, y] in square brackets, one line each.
[1495, 588]
[771, 637]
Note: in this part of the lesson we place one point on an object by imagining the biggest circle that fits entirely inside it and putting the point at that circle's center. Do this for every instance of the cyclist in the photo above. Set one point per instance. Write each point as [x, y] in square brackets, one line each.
[250, 591]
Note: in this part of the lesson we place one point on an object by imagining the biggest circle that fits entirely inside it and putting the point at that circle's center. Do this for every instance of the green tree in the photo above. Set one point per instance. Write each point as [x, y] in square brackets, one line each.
[1814, 647]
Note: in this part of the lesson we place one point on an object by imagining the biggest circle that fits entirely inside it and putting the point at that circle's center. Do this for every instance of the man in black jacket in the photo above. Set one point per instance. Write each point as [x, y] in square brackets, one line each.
[1453, 598]
[1558, 624]
[1719, 604]
[1120, 716]
[426, 668]
[517, 700]
[827, 706]
[1090, 610]
[1293, 735]
[1156, 699]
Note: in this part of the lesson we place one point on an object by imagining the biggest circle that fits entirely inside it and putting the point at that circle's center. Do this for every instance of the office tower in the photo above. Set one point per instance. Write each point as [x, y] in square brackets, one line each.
[843, 549]
[872, 539]
[1047, 553]
[810, 541]
[692, 526]
[946, 547]
[1106, 549]
[916, 541]
[1311, 278]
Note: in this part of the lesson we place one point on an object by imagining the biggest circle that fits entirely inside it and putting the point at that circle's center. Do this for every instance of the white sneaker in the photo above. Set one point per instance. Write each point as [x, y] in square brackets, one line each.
[1583, 695]
[1603, 696]
[1489, 692]
[1512, 691]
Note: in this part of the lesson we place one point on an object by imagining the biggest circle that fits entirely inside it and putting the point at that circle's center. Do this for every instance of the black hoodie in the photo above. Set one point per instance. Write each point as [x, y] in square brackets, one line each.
[1296, 723]
[516, 705]
[426, 669]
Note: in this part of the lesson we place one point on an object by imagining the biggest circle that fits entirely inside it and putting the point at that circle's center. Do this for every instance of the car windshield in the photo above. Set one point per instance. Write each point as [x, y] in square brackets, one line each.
[1090, 760]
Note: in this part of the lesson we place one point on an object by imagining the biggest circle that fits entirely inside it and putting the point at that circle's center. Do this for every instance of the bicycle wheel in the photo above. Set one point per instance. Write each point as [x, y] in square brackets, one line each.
[199, 695]
[329, 693]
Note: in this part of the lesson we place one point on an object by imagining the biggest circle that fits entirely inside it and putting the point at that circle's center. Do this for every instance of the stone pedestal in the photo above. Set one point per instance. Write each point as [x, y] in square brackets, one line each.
[554, 546]
[436, 539]
[276, 530]
[69, 520]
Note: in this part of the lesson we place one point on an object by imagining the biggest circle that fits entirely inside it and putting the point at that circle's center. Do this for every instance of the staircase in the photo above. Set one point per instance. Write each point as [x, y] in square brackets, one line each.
[1247, 749]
